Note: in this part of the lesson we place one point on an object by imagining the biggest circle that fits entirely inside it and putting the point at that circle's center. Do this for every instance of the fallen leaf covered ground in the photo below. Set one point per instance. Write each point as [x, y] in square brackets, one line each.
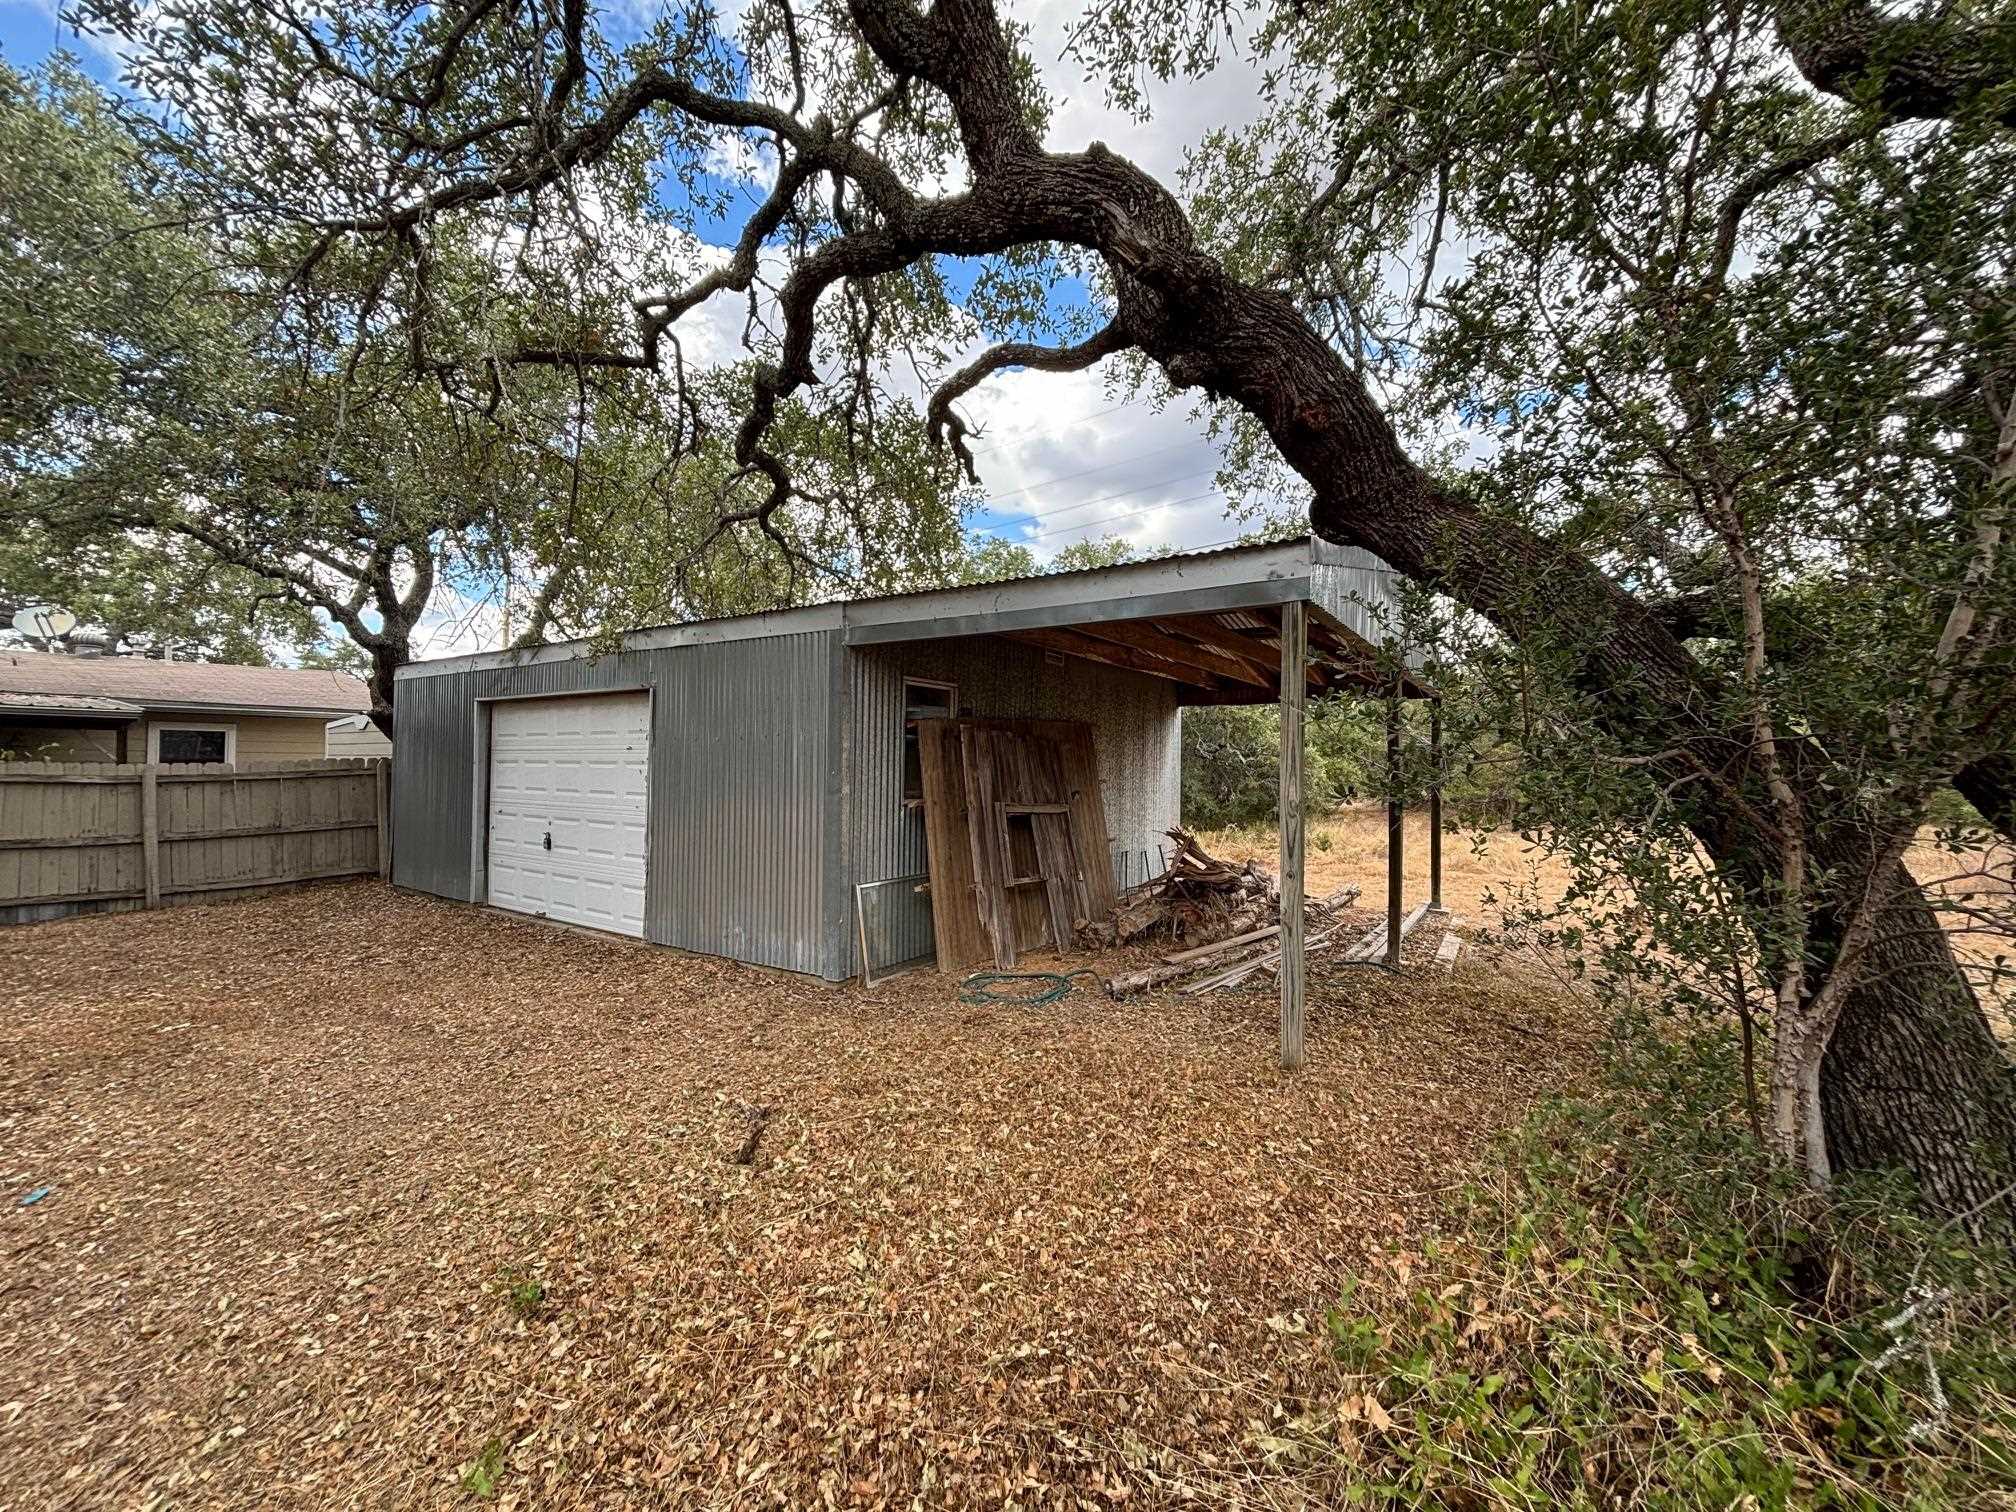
[367, 1199]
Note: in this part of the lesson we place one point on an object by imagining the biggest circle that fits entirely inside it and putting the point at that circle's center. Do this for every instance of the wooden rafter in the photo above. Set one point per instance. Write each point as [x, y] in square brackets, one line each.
[1189, 653]
[1262, 657]
[1071, 643]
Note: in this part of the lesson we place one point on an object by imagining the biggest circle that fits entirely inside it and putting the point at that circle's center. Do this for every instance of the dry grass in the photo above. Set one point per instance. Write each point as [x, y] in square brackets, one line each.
[1477, 865]
[1982, 881]
[1474, 864]
[305, 1148]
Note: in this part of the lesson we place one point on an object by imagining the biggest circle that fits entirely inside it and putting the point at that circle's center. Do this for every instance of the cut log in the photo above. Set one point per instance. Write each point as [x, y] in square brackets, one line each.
[1238, 971]
[1219, 946]
[1343, 897]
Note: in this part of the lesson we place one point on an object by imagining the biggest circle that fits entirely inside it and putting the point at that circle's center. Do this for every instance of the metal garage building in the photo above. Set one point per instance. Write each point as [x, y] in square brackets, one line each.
[724, 786]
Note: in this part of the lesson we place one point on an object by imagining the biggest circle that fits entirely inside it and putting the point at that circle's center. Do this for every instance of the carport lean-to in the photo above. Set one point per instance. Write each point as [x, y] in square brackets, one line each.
[725, 786]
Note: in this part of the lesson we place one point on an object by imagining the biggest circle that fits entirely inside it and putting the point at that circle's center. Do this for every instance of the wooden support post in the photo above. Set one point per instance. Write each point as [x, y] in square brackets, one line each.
[1396, 833]
[1435, 808]
[150, 833]
[384, 785]
[1294, 653]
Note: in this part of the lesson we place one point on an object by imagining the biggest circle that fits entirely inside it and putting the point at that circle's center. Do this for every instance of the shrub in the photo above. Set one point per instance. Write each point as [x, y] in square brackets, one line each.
[1232, 760]
[1632, 1308]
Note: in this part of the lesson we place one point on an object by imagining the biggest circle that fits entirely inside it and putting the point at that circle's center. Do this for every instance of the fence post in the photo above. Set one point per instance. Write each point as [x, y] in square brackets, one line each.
[150, 831]
[384, 820]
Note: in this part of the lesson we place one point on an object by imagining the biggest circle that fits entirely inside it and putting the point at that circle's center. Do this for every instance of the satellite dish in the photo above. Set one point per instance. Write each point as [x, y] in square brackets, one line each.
[45, 621]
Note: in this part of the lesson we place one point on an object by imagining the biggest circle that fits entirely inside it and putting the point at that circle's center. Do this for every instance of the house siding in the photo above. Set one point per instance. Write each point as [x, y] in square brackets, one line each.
[368, 742]
[260, 738]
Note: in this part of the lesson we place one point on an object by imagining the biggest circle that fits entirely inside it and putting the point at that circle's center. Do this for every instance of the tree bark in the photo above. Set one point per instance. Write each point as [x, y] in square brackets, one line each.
[1990, 785]
[1914, 1078]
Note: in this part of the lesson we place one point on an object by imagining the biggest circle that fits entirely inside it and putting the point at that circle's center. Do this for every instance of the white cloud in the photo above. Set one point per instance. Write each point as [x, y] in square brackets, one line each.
[1184, 109]
[1065, 459]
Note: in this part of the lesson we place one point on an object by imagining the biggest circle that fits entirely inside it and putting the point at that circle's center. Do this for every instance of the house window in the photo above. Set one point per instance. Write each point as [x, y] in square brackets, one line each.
[922, 700]
[192, 742]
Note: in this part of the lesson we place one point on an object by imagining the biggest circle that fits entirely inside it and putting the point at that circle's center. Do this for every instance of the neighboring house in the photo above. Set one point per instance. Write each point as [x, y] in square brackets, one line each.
[356, 735]
[128, 708]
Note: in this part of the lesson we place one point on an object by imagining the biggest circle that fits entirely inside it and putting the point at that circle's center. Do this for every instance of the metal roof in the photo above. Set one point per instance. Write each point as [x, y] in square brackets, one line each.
[183, 685]
[1268, 572]
[68, 703]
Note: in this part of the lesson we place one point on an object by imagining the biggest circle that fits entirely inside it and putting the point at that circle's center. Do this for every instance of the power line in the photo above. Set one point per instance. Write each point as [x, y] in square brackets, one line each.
[1087, 472]
[1126, 514]
[1125, 493]
[1040, 435]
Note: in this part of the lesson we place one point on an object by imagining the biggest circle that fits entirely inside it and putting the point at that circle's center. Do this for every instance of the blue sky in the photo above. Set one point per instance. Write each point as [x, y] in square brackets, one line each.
[1062, 458]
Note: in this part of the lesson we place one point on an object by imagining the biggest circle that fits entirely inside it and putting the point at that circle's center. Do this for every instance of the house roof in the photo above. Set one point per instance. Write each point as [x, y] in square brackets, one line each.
[68, 703]
[147, 684]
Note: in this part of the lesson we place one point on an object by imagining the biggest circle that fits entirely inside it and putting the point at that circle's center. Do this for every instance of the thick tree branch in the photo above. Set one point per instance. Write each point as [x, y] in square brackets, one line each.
[942, 423]
[1932, 66]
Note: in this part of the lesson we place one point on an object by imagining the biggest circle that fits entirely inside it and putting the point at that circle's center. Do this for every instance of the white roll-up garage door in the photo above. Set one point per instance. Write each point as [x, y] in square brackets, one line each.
[567, 806]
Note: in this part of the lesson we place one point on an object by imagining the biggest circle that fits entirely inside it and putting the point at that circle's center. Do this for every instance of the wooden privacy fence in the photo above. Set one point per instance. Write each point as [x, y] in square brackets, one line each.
[78, 837]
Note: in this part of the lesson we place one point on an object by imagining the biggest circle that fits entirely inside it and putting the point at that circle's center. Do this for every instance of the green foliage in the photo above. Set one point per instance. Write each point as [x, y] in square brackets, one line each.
[1630, 1306]
[222, 432]
[480, 1478]
[1232, 760]
[523, 1294]
[1232, 755]
[1948, 811]
[1727, 340]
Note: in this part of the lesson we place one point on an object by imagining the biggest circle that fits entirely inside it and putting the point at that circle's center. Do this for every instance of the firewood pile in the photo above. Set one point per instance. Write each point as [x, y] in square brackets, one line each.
[1227, 918]
[1197, 898]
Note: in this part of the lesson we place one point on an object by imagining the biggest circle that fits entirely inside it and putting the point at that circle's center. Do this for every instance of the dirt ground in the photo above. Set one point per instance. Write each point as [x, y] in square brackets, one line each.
[366, 1199]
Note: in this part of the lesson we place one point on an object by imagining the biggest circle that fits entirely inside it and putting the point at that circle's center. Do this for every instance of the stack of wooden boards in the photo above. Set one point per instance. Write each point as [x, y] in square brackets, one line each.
[1015, 834]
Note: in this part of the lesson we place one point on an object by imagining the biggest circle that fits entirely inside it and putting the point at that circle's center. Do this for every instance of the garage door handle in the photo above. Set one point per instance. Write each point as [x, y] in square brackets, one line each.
[549, 839]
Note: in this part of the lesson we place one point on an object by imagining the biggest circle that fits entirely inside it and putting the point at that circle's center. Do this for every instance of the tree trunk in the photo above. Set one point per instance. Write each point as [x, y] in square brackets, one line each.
[1910, 1042]
[389, 653]
[1990, 785]
[1914, 1078]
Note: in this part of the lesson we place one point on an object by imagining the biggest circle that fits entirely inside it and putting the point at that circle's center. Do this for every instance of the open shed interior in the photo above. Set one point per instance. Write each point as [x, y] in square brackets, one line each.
[1019, 854]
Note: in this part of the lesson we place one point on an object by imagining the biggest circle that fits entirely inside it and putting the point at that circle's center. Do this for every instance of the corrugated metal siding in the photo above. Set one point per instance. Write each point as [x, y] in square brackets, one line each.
[743, 830]
[1135, 732]
[743, 778]
[1356, 587]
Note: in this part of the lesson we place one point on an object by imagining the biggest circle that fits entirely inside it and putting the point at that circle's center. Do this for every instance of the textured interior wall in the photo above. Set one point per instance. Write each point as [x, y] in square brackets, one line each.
[743, 831]
[1135, 732]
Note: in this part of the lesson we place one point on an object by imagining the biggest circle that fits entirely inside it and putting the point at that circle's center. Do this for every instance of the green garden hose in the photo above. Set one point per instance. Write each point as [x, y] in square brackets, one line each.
[974, 989]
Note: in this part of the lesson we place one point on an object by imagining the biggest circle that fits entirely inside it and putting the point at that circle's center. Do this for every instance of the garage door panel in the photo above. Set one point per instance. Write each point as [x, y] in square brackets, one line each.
[573, 769]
